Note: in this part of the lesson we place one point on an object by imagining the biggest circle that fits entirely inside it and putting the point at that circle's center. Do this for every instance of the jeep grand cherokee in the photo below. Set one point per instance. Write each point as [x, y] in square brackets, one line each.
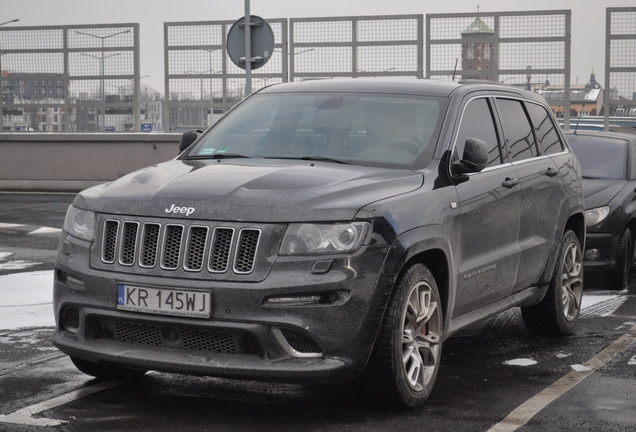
[328, 231]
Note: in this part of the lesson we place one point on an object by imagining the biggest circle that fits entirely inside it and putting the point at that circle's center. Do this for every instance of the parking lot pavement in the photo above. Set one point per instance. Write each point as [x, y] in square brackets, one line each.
[494, 377]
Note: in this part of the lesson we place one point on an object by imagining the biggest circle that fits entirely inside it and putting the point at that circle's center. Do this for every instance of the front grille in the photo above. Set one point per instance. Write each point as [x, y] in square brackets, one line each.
[188, 246]
[215, 341]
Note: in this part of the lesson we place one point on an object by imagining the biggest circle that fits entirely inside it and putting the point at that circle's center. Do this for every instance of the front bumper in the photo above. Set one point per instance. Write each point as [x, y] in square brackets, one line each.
[247, 336]
[603, 247]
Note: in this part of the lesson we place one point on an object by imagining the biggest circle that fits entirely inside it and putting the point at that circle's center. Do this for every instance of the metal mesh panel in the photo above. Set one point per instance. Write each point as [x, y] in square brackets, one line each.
[530, 50]
[81, 78]
[620, 63]
[356, 47]
[202, 83]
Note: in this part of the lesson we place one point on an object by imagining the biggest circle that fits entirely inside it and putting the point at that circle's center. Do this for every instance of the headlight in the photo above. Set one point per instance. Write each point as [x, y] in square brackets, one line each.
[310, 239]
[80, 223]
[596, 215]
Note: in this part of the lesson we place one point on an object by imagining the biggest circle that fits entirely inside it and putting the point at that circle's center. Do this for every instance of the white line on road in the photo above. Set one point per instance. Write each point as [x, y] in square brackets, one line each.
[25, 415]
[522, 414]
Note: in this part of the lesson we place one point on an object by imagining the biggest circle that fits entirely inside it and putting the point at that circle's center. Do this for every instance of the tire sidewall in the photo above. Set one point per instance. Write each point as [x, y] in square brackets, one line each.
[416, 274]
[569, 239]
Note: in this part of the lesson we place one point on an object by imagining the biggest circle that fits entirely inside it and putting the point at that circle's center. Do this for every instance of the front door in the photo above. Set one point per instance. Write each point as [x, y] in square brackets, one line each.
[488, 250]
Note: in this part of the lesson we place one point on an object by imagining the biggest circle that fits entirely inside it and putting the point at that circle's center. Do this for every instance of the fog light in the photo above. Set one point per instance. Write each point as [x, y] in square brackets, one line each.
[295, 299]
[592, 254]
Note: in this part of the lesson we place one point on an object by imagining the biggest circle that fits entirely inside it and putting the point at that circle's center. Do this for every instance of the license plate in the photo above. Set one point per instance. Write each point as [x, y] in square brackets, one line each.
[195, 304]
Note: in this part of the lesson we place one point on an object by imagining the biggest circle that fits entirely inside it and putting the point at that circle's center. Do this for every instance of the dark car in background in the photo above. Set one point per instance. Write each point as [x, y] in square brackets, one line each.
[609, 185]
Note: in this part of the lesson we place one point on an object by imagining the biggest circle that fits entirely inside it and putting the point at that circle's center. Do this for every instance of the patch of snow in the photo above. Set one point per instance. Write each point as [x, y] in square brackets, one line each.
[26, 300]
[521, 362]
[591, 300]
[580, 368]
[17, 265]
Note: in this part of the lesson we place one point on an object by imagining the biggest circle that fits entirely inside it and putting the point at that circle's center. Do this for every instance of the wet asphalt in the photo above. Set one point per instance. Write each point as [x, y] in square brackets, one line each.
[495, 376]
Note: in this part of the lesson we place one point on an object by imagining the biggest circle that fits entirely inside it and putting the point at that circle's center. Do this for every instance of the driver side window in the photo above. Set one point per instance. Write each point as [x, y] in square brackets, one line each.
[477, 122]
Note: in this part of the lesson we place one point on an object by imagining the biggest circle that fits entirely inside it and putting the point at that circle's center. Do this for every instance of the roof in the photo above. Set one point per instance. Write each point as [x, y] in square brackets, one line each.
[426, 87]
[478, 27]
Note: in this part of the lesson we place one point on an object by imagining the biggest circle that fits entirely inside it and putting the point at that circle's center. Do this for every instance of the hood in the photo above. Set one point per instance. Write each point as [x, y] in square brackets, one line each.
[599, 193]
[254, 190]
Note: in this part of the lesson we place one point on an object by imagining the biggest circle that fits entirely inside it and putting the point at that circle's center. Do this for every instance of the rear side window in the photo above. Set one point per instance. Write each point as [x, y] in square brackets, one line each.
[477, 122]
[547, 136]
[517, 131]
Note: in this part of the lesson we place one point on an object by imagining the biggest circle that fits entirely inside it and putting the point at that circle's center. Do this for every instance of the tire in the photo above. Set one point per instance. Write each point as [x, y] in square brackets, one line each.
[406, 357]
[107, 370]
[559, 311]
[617, 278]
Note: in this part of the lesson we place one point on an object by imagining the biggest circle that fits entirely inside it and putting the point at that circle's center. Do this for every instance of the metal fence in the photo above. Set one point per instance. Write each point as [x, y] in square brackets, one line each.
[371, 46]
[70, 78]
[620, 63]
[201, 83]
[526, 49]
[86, 78]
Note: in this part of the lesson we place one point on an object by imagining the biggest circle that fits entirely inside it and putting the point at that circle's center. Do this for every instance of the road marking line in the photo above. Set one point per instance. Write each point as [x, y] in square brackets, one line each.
[524, 412]
[25, 415]
[17, 229]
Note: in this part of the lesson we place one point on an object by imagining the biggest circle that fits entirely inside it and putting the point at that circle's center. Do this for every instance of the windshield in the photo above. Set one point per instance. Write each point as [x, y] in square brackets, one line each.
[601, 157]
[362, 129]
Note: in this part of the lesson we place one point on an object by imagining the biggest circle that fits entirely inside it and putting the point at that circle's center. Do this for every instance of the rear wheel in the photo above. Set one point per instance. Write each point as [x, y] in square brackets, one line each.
[406, 358]
[616, 279]
[559, 311]
[107, 370]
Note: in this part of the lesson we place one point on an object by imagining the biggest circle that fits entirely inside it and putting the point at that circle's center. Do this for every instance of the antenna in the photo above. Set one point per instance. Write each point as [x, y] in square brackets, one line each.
[578, 120]
[455, 70]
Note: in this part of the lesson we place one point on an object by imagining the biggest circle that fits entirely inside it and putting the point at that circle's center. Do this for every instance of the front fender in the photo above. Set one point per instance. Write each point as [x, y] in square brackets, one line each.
[430, 246]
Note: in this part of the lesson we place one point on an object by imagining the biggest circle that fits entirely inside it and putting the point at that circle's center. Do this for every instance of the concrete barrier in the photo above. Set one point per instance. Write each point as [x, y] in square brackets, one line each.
[31, 161]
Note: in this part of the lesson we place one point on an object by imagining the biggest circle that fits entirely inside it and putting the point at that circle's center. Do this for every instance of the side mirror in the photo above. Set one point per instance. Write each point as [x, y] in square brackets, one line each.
[187, 138]
[475, 157]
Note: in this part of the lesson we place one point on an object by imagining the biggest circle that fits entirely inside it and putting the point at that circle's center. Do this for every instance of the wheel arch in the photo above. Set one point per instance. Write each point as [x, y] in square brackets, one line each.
[576, 224]
[428, 246]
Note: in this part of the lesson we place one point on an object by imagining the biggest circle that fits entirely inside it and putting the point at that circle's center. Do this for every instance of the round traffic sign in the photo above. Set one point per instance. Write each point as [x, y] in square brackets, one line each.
[262, 42]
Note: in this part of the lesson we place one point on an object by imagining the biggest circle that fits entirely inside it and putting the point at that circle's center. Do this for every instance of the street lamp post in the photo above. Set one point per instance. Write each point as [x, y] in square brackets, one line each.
[11, 21]
[1, 24]
[102, 57]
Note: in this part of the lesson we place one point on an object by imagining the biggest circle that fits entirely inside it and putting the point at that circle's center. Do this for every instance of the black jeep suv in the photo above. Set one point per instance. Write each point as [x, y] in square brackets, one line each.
[328, 231]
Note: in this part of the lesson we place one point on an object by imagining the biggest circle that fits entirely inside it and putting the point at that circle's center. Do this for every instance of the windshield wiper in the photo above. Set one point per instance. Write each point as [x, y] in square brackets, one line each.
[313, 158]
[219, 156]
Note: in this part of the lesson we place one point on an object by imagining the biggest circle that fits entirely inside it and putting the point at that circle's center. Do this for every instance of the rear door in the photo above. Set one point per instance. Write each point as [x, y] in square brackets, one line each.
[488, 252]
[531, 138]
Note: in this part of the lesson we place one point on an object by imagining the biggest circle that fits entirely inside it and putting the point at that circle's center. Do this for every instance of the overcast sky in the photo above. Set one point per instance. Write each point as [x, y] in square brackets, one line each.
[588, 19]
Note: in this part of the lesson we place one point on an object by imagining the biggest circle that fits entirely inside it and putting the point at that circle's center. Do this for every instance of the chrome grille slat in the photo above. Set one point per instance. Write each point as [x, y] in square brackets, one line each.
[128, 243]
[246, 250]
[109, 242]
[193, 247]
[221, 247]
[171, 252]
[149, 245]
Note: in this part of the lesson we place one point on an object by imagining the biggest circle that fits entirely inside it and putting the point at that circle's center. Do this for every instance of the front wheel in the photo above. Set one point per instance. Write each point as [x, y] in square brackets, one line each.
[406, 357]
[558, 312]
[617, 278]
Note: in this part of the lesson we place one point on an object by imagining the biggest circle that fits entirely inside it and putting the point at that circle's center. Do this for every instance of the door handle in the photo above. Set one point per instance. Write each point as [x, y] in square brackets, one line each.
[510, 182]
[551, 172]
